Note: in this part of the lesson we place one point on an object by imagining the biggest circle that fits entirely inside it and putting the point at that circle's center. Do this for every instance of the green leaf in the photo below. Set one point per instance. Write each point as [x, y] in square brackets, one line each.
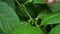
[2, 33]
[53, 18]
[55, 30]
[27, 29]
[0, 30]
[8, 18]
[23, 23]
[43, 14]
[55, 6]
[28, 1]
[11, 3]
[39, 1]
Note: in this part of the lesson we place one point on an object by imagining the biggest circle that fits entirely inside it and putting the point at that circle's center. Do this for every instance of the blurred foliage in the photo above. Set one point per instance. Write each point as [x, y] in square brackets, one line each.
[29, 17]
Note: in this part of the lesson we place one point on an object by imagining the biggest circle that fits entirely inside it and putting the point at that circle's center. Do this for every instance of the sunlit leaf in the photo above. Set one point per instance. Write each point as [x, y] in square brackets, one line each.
[55, 30]
[27, 29]
[53, 18]
[43, 14]
[39, 1]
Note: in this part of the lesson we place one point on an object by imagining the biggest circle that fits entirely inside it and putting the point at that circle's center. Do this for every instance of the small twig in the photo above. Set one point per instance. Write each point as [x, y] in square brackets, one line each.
[24, 9]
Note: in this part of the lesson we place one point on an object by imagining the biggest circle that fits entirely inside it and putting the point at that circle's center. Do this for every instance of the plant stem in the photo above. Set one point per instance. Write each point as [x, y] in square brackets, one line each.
[37, 25]
[24, 8]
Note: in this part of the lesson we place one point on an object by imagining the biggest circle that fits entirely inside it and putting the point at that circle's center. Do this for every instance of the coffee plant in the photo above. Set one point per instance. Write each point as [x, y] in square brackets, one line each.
[29, 17]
